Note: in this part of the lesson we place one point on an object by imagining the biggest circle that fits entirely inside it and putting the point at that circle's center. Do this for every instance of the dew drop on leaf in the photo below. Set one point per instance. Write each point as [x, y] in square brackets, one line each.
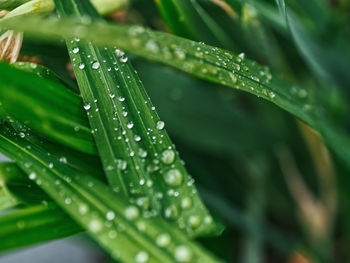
[68, 201]
[131, 212]
[95, 65]
[121, 164]
[87, 106]
[95, 225]
[110, 215]
[141, 257]
[142, 153]
[194, 221]
[173, 177]
[183, 254]
[32, 176]
[186, 202]
[160, 125]
[171, 212]
[119, 53]
[123, 59]
[168, 156]
[130, 125]
[163, 240]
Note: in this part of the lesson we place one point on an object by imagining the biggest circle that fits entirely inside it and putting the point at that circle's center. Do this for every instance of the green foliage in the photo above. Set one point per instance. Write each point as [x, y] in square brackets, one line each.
[90, 152]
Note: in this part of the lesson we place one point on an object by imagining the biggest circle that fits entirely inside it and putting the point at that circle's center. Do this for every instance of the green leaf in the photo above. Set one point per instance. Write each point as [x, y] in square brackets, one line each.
[137, 154]
[34, 7]
[183, 15]
[35, 224]
[7, 199]
[328, 62]
[11, 4]
[37, 69]
[109, 218]
[203, 61]
[59, 119]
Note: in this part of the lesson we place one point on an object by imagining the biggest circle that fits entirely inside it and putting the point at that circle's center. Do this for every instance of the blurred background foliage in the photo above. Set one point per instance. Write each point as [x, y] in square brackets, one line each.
[268, 177]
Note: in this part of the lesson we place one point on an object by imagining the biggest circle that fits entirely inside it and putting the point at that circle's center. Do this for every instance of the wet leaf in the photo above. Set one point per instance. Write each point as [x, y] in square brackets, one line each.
[121, 228]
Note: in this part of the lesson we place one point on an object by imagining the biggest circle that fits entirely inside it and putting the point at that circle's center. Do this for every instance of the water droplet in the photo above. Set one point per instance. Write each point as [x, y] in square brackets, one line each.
[22, 134]
[183, 254]
[123, 59]
[132, 212]
[302, 93]
[119, 53]
[81, 65]
[163, 240]
[68, 201]
[87, 106]
[95, 225]
[32, 176]
[152, 46]
[112, 95]
[171, 212]
[241, 55]
[143, 202]
[173, 177]
[63, 159]
[186, 202]
[83, 209]
[137, 138]
[121, 164]
[194, 221]
[168, 156]
[95, 65]
[160, 125]
[130, 125]
[75, 50]
[180, 54]
[141, 257]
[142, 153]
[110, 215]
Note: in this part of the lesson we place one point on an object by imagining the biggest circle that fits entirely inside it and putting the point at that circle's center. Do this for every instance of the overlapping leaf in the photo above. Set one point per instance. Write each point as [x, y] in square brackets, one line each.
[138, 156]
[118, 226]
[206, 62]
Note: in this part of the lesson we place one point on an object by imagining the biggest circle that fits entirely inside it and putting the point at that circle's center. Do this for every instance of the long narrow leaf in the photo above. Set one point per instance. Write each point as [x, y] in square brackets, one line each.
[33, 225]
[60, 116]
[138, 156]
[7, 199]
[206, 62]
[118, 226]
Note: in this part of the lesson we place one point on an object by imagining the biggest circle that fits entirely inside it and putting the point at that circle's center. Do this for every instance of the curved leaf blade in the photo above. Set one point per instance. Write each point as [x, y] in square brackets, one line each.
[203, 61]
[139, 158]
[109, 218]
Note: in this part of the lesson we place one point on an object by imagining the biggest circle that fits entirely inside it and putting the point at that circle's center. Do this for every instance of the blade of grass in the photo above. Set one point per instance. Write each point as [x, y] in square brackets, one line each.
[39, 70]
[138, 156]
[192, 17]
[62, 117]
[11, 4]
[110, 219]
[35, 224]
[29, 225]
[200, 60]
[7, 199]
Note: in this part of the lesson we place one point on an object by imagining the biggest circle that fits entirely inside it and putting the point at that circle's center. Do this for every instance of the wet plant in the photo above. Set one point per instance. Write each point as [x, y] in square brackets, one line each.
[176, 130]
